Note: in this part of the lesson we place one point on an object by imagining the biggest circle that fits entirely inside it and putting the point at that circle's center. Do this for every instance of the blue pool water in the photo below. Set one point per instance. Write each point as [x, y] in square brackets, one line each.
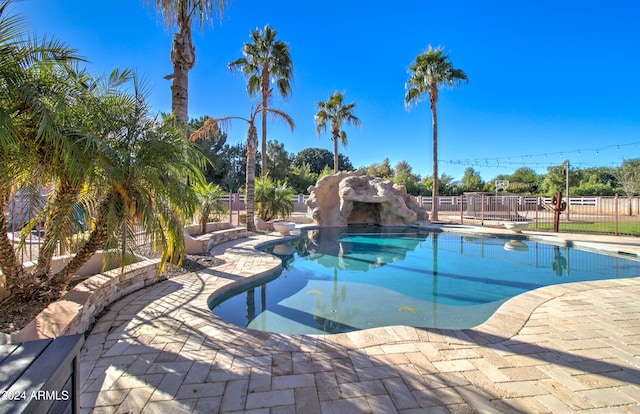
[340, 280]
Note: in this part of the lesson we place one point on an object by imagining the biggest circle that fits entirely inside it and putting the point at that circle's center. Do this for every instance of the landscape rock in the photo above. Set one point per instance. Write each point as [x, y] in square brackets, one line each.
[350, 198]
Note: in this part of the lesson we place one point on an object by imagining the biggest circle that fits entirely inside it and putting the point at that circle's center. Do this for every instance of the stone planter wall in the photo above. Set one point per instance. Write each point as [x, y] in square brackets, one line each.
[222, 236]
[77, 309]
[217, 233]
[194, 229]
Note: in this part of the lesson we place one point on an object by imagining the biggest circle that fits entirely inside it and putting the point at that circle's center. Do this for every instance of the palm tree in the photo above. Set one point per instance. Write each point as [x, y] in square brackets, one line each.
[211, 202]
[334, 112]
[183, 54]
[265, 60]
[430, 71]
[111, 169]
[138, 181]
[212, 126]
[274, 199]
[37, 147]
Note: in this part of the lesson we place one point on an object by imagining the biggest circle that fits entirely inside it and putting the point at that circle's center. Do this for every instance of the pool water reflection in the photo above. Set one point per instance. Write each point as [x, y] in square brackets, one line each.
[340, 280]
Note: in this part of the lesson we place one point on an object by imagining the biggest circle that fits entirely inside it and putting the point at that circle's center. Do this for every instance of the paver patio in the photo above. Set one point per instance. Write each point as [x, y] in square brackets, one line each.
[564, 348]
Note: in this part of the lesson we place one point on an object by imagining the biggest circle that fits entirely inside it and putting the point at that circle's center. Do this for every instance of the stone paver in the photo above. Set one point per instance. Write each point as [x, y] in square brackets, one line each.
[569, 348]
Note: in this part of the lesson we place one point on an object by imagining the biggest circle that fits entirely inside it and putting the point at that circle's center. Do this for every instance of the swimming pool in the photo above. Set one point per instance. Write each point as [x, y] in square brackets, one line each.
[345, 279]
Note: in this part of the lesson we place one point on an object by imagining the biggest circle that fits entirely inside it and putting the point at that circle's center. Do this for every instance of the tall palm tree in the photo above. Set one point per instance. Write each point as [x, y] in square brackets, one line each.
[334, 113]
[427, 74]
[265, 60]
[211, 127]
[180, 13]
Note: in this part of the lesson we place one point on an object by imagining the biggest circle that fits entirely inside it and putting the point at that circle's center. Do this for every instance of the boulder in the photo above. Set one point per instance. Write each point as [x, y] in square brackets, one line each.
[349, 198]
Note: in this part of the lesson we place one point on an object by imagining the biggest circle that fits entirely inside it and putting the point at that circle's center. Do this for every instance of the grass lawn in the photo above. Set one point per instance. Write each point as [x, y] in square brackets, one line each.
[606, 227]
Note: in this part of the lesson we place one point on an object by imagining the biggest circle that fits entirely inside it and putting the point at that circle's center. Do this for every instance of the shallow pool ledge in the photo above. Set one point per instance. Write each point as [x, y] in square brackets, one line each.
[243, 264]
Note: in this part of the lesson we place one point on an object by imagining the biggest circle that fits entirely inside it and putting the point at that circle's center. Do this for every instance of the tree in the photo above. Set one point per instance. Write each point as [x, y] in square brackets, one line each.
[212, 126]
[300, 178]
[318, 158]
[556, 180]
[628, 175]
[382, 170]
[524, 180]
[403, 166]
[445, 184]
[596, 181]
[273, 199]
[39, 84]
[179, 13]
[409, 181]
[145, 178]
[111, 169]
[277, 160]
[335, 113]
[471, 180]
[265, 60]
[431, 70]
[210, 196]
[211, 148]
[235, 167]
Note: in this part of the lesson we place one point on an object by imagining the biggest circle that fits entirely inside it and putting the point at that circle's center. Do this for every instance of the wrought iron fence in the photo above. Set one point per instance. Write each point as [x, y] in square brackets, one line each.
[598, 215]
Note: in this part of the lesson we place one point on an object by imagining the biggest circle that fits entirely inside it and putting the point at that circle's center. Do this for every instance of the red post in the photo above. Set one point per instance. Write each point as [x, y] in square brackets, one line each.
[558, 207]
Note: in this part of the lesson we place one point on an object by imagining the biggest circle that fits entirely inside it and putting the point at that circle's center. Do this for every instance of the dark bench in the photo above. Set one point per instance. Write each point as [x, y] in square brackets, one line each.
[41, 376]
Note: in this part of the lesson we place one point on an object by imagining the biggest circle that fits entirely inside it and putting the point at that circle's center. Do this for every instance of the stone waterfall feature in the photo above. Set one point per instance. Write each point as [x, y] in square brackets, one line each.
[348, 198]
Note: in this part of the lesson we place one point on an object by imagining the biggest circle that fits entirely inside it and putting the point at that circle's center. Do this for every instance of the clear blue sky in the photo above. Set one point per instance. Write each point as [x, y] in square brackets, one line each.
[548, 80]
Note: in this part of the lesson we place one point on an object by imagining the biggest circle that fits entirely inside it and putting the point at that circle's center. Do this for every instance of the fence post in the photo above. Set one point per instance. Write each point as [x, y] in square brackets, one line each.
[616, 213]
[230, 208]
[461, 209]
[482, 210]
[537, 208]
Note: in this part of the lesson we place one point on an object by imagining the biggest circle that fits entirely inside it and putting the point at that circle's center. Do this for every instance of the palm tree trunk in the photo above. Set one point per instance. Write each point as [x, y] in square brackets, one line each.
[251, 226]
[11, 268]
[180, 94]
[263, 156]
[183, 57]
[335, 151]
[252, 143]
[63, 205]
[95, 242]
[434, 193]
[265, 104]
